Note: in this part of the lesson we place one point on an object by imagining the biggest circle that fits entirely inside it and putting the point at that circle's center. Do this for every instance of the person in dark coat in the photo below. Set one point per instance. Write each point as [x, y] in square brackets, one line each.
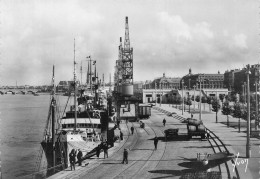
[164, 121]
[121, 135]
[79, 157]
[105, 148]
[125, 157]
[72, 157]
[155, 142]
[98, 151]
[132, 130]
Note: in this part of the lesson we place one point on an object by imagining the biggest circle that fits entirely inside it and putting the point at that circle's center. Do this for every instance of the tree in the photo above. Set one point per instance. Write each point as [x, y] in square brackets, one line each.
[215, 107]
[238, 113]
[234, 97]
[242, 98]
[188, 102]
[197, 99]
[204, 101]
[227, 98]
[209, 101]
[221, 97]
[226, 110]
[178, 100]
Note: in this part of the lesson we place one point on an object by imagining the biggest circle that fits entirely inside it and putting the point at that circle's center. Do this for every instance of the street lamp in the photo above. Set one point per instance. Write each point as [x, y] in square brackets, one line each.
[155, 94]
[256, 107]
[194, 86]
[182, 82]
[248, 149]
[200, 80]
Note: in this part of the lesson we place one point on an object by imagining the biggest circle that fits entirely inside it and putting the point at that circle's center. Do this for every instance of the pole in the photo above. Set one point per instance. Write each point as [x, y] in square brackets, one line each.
[182, 82]
[248, 150]
[53, 132]
[243, 93]
[194, 97]
[256, 107]
[155, 94]
[81, 73]
[200, 98]
[90, 74]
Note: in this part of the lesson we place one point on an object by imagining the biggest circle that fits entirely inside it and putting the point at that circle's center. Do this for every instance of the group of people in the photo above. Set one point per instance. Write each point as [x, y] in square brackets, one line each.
[72, 157]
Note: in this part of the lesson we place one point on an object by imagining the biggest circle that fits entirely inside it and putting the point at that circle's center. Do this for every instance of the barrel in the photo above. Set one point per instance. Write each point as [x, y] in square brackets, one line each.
[201, 128]
[191, 128]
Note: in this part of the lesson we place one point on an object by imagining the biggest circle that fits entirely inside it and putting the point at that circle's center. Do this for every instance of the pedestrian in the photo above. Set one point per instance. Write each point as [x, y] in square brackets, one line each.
[155, 142]
[105, 148]
[191, 115]
[132, 130]
[79, 157]
[164, 121]
[72, 157]
[98, 151]
[118, 123]
[125, 157]
[121, 135]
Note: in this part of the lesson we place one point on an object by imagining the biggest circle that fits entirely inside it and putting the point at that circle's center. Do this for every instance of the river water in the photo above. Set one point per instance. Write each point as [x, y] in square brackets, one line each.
[22, 121]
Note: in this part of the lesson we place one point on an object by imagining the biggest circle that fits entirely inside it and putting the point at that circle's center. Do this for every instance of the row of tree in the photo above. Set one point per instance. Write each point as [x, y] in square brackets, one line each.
[237, 110]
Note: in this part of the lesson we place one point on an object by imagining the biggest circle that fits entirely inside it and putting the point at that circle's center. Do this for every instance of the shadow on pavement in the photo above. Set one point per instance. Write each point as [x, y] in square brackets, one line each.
[198, 166]
[174, 138]
[198, 147]
[189, 173]
[142, 149]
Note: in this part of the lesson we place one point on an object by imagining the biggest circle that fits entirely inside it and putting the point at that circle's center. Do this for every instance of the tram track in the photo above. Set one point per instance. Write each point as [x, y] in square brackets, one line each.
[216, 144]
[135, 162]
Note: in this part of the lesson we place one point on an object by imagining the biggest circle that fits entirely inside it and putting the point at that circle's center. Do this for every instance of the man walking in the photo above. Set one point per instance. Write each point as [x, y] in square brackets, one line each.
[79, 157]
[164, 121]
[121, 135]
[105, 148]
[132, 130]
[155, 142]
[125, 157]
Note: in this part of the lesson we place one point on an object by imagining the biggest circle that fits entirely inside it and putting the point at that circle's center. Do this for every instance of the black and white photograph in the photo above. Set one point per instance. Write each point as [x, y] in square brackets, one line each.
[129, 89]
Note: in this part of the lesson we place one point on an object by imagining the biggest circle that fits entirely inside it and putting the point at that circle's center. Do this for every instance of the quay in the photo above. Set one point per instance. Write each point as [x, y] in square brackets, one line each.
[176, 158]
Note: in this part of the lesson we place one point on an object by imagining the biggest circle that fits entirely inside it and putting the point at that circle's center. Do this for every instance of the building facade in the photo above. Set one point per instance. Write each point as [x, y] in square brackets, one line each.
[163, 83]
[235, 80]
[207, 81]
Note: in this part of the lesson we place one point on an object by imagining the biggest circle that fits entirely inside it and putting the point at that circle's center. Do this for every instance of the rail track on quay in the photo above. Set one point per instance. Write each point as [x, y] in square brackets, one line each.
[216, 144]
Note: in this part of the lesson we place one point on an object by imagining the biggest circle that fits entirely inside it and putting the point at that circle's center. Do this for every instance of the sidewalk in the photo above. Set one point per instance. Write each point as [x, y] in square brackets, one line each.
[235, 142]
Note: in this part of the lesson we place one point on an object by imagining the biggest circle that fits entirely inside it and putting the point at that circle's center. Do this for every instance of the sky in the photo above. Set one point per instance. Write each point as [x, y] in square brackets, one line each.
[167, 36]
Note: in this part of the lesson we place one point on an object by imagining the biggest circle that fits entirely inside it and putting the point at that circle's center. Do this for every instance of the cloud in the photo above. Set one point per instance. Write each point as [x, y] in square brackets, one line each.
[240, 41]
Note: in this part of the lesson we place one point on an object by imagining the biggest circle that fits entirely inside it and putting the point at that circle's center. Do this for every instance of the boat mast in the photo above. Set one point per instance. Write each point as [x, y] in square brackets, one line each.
[75, 95]
[53, 107]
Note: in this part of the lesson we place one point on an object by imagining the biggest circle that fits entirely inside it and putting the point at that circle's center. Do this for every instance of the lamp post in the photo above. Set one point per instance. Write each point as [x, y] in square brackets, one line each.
[155, 94]
[200, 80]
[243, 93]
[182, 82]
[194, 86]
[248, 149]
[256, 107]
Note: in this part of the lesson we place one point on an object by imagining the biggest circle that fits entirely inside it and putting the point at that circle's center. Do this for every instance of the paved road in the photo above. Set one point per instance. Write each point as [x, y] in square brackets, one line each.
[174, 158]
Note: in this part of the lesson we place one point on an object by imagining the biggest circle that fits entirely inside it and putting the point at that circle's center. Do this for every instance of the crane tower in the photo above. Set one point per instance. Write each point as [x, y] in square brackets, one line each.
[124, 66]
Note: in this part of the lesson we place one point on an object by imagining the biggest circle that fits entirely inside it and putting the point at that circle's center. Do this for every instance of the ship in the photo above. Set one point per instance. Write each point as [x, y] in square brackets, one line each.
[83, 126]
